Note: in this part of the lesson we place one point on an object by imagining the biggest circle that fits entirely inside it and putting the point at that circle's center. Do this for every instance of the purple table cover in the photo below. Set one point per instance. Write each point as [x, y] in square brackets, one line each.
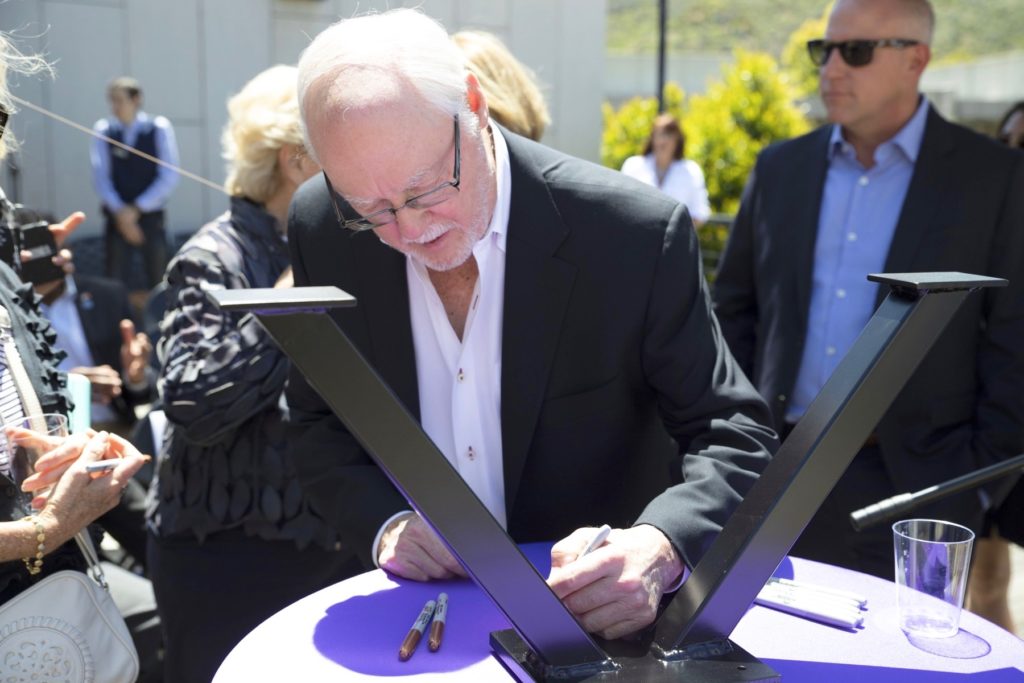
[351, 631]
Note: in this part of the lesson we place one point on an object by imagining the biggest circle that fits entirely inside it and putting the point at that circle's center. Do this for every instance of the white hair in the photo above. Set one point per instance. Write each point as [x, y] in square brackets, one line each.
[355, 61]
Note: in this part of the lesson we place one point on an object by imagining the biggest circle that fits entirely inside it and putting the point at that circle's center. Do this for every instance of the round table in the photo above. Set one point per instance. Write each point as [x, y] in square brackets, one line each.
[352, 630]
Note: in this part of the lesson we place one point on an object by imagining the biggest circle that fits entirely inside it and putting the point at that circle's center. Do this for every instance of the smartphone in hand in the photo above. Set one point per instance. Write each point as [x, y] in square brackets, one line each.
[37, 239]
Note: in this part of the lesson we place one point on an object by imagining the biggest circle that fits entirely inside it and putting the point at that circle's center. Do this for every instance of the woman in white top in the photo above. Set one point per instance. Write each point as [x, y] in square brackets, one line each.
[663, 166]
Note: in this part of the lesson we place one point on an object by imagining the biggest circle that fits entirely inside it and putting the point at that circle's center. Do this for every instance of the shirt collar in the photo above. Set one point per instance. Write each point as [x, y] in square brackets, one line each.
[907, 139]
[68, 296]
[70, 289]
[140, 118]
[497, 231]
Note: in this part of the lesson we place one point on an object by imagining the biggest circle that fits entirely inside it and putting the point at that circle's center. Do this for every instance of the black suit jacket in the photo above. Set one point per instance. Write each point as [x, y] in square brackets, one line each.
[609, 348]
[102, 304]
[964, 211]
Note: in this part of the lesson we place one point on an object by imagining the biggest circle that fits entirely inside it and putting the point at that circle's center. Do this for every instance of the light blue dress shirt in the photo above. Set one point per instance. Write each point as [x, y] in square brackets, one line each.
[63, 316]
[859, 211]
[155, 196]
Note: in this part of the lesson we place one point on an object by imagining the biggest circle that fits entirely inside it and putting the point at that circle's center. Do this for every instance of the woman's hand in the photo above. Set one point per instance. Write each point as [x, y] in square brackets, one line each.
[62, 230]
[78, 497]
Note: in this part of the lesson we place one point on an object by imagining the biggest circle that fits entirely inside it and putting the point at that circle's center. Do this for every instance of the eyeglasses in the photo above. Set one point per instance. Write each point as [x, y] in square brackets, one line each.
[854, 52]
[426, 200]
[3, 121]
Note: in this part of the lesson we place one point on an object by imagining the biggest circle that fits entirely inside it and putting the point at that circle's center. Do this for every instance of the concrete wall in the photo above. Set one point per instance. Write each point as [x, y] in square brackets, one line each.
[191, 55]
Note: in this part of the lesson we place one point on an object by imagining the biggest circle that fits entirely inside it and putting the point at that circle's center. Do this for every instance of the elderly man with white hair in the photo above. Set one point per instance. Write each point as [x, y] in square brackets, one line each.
[547, 320]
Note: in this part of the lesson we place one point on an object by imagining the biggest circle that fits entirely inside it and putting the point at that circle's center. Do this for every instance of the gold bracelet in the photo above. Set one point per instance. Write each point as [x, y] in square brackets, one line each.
[34, 566]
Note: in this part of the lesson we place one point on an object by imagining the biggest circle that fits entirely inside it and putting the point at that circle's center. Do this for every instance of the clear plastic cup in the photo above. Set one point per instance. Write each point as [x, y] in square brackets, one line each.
[25, 440]
[932, 560]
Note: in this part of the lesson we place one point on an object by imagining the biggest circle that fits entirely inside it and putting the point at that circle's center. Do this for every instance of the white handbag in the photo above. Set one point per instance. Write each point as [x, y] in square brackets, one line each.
[66, 629]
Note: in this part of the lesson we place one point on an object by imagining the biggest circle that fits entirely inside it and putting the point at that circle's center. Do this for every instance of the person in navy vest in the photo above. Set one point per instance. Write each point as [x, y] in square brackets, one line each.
[134, 190]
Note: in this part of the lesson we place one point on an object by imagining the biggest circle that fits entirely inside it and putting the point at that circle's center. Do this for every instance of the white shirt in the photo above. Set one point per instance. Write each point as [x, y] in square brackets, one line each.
[460, 381]
[684, 182]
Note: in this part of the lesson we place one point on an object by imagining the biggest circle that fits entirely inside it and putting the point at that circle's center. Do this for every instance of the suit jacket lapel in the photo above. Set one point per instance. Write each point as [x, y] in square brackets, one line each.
[933, 173]
[384, 298]
[806, 217]
[537, 289]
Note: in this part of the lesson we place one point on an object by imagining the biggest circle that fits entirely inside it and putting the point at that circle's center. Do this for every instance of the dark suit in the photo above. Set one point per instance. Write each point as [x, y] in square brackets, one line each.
[102, 304]
[609, 348]
[964, 211]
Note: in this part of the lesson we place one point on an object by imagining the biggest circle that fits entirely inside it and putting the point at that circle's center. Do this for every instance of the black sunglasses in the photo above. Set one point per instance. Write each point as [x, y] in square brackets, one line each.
[853, 52]
[3, 120]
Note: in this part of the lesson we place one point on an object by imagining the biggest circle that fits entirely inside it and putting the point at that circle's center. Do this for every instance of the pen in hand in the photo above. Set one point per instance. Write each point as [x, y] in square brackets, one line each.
[599, 538]
[412, 639]
[437, 625]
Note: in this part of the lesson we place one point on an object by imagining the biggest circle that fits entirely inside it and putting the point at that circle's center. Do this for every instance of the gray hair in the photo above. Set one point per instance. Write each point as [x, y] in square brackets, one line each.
[403, 44]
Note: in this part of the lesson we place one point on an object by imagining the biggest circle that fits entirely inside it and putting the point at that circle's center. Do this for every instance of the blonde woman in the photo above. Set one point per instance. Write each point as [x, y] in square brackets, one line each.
[513, 98]
[232, 538]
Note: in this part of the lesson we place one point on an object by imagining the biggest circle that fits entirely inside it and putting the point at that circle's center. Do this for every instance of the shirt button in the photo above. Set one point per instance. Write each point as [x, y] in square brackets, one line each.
[461, 377]
[841, 293]
[830, 351]
[863, 180]
[470, 454]
[851, 237]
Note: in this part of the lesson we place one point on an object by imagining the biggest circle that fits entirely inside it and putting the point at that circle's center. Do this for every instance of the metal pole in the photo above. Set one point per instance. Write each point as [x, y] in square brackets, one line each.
[662, 23]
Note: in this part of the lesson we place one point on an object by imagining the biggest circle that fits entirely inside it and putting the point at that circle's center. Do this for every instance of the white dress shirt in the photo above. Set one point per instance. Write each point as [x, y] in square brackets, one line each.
[460, 381]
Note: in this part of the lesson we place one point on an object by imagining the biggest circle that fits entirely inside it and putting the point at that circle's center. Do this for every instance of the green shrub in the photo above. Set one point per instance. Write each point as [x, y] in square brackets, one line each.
[738, 117]
[797, 66]
[749, 108]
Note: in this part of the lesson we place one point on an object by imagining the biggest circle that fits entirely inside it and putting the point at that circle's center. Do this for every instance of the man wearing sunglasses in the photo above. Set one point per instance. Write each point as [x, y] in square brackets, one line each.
[888, 186]
[545, 319]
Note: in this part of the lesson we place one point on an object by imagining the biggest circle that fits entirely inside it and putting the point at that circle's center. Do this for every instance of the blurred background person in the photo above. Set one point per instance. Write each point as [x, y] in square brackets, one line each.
[513, 97]
[30, 383]
[989, 583]
[888, 185]
[132, 189]
[663, 165]
[95, 327]
[233, 538]
[96, 331]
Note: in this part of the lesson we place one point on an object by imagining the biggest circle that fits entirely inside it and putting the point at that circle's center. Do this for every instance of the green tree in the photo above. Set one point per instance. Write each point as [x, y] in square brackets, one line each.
[796, 65]
[963, 30]
[751, 107]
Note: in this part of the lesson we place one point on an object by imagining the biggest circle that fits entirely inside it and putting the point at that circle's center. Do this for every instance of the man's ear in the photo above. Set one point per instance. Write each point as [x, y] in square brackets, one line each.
[922, 54]
[289, 163]
[476, 100]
